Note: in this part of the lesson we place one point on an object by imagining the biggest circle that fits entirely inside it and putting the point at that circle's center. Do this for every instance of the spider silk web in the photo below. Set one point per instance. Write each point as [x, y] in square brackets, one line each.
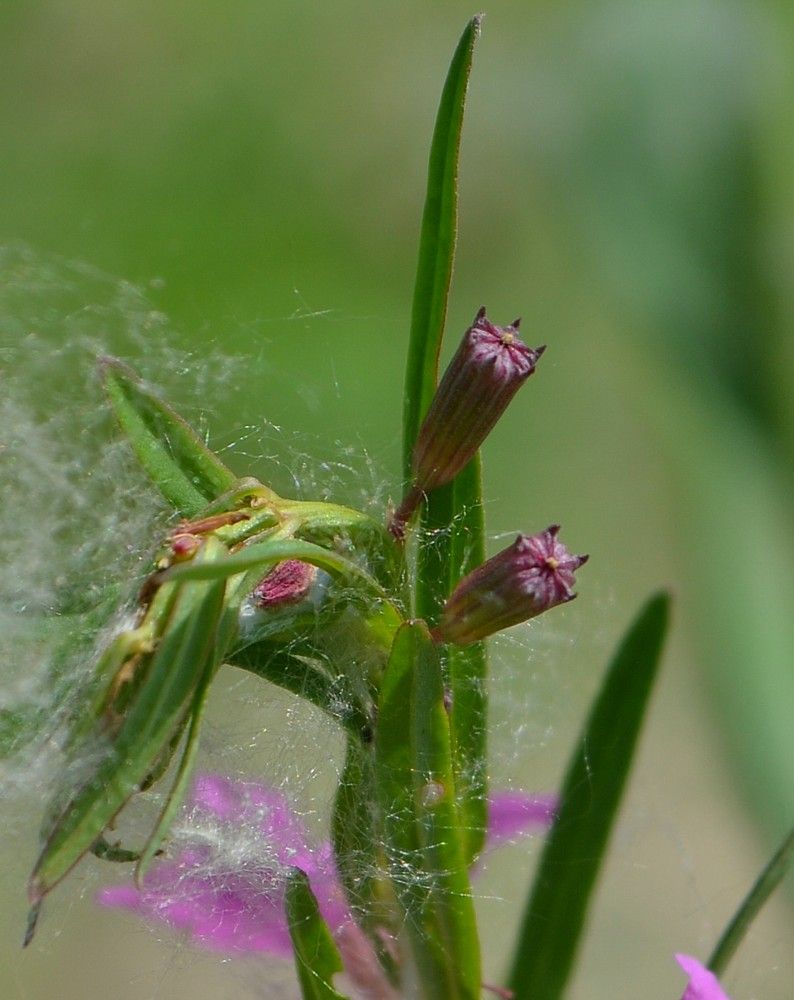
[79, 524]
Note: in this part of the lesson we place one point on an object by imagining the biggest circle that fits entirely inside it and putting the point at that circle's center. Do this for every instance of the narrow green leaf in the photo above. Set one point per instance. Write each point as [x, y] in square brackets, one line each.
[174, 457]
[264, 554]
[452, 544]
[356, 834]
[357, 842]
[148, 724]
[451, 539]
[557, 907]
[179, 787]
[766, 883]
[316, 957]
[452, 532]
[414, 783]
[225, 635]
[436, 245]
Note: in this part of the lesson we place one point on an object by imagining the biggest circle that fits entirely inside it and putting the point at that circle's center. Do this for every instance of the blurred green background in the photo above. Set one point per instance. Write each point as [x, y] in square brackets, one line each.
[626, 186]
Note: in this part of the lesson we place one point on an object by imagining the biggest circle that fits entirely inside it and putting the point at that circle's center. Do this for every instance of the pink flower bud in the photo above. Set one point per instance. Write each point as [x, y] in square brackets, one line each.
[486, 372]
[534, 574]
[288, 582]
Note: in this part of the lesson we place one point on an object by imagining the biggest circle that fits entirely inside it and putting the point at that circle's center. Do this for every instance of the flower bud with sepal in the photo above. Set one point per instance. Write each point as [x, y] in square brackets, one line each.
[488, 368]
[534, 574]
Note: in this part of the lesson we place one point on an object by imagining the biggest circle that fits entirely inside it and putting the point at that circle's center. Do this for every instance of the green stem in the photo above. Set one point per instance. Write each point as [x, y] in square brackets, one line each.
[766, 883]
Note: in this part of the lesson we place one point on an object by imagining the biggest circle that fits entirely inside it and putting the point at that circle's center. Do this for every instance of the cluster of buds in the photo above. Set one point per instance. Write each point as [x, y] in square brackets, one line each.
[537, 571]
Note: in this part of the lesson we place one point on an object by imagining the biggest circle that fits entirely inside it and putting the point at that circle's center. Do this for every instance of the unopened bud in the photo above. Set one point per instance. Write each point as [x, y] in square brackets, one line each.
[184, 546]
[534, 574]
[289, 582]
[487, 370]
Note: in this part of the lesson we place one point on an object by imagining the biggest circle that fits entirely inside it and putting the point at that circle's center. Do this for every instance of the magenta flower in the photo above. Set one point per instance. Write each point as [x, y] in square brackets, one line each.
[225, 888]
[703, 985]
[511, 814]
[534, 574]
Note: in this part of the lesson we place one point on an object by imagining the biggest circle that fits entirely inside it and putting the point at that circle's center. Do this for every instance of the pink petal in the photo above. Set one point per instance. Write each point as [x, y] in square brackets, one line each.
[703, 985]
[252, 803]
[122, 897]
[239, 908]
[227, 915]
[513, 813]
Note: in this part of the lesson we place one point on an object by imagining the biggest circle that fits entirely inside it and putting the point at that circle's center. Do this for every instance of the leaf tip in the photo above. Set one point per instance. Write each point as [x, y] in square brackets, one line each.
[140, 872]
[33, 919]
[106, 361]
[110, 367]
[659, 604]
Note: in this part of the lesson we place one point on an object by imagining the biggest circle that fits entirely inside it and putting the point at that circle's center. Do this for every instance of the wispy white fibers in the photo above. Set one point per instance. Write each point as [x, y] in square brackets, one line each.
[76, 516]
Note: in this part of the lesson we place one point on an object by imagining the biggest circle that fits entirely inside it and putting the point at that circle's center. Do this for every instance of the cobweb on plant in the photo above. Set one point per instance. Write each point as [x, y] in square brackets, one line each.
[80, 521]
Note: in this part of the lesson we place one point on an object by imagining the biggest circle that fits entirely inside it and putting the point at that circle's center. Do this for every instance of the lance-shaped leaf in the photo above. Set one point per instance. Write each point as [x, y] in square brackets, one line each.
[557, 906]
[354, 830]
[268, 553]
[326, 523]
[174, 457]
[316, 957]
[356, 834]
[120, 753]
[225, 637]
[416, 793]
[451, 545]
[436, 245]
[452, 532]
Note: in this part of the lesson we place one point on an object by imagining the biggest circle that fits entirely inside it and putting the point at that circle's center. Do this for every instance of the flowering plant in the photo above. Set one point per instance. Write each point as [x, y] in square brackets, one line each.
[381, 625]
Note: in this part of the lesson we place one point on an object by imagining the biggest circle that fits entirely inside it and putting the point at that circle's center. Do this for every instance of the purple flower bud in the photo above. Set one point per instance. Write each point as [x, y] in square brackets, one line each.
[486, 372]
[534, 574]
[289, 582]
